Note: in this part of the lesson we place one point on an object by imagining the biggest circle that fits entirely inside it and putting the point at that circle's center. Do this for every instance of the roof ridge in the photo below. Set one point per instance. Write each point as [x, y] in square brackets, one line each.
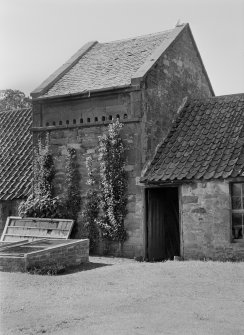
[216, 97]
[142, 36]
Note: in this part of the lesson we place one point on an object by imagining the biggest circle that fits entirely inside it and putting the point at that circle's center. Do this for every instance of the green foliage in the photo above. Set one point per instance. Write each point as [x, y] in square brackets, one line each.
[73, 197]
[105, 210]
[44, 171]
[42, 203]
[72, 202]
[42, 206]
[50, 270]
[113, 183]
[90, 217]
[14, 99]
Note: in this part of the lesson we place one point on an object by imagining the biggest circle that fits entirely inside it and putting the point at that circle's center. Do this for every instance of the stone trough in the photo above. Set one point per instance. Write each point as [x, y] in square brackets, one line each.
[28, 242]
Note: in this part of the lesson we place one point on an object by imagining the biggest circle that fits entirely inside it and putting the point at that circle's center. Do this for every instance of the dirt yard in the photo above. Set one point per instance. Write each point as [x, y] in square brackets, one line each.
[119, 296]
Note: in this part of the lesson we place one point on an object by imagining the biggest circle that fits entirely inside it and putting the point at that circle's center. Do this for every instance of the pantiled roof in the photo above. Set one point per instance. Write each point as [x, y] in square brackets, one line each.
[15, 154]
[206, 142]
[109, 65]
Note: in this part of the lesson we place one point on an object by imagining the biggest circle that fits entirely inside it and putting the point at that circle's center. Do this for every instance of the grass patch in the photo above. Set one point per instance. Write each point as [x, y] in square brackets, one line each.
[46, 270]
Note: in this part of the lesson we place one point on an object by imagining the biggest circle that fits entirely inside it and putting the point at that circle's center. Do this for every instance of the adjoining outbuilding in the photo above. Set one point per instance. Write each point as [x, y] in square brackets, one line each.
[16, 158]
[194, 185]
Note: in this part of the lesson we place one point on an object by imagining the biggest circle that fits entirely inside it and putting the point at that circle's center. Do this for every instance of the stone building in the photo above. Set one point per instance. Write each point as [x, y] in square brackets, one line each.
[142, 81]
[15, 161]
[196, 182]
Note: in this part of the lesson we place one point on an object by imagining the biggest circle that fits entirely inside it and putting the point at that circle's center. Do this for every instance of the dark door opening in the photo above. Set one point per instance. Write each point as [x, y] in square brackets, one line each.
[162, 228]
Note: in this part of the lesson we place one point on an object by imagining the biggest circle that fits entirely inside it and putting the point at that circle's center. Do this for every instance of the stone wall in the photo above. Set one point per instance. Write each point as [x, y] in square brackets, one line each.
[206, 222]
[8, 208]
[68, 255]
[84, 138]
[177, 74]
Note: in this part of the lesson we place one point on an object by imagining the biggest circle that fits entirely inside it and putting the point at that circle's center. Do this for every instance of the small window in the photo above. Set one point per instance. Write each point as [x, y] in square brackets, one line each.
[88, 119]
[96, 119]
[54, 123]
[47, 124]
[237, 200]
[67, 121]
[117, 116]
[110, 117]
[103, 118]
[74, 121]
[81, 120]
[125, 116]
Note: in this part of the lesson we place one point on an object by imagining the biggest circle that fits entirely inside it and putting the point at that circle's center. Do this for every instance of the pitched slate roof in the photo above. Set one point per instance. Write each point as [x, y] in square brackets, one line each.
[206, 142]
[15, 154]
[107, 65]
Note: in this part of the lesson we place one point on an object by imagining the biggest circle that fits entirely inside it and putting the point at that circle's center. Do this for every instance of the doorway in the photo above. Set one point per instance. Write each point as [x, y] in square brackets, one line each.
[162, 223]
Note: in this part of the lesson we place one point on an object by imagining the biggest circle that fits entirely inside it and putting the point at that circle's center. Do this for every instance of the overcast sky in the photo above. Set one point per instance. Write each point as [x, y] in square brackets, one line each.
[37, 36]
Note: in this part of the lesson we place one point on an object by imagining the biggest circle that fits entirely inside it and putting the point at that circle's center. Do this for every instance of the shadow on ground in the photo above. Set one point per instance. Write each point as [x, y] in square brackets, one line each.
[84, 267]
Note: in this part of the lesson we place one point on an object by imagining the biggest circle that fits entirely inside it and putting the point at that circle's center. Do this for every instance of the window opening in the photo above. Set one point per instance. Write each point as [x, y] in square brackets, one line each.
[60, 123]
[88, 119]
[67, 121]
[81, 120]
[103, 118]
[74, 121]
[237, 200]
[54, 123]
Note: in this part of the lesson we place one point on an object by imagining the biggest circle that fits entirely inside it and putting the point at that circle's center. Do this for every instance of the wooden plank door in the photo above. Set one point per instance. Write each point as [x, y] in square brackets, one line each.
[155, 226]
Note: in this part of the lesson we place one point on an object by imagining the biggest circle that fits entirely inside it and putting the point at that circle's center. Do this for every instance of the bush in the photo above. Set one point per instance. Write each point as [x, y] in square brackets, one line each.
[113, 183]
[42, 207]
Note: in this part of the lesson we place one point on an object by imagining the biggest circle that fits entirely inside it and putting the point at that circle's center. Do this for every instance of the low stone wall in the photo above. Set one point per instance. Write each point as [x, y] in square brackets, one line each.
[69, 255]
[12, 264]
[206, 222]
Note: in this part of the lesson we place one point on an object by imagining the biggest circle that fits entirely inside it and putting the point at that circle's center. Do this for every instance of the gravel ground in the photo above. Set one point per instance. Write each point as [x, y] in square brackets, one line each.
[120, 296]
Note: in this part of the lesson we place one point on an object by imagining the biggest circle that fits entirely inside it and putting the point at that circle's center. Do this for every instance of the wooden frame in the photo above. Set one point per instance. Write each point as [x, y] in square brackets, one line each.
[44, 225]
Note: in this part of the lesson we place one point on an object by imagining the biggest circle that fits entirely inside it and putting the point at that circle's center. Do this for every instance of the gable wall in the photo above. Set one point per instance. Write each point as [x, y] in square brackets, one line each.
[177, 74]
[206, 222]
[84, 138]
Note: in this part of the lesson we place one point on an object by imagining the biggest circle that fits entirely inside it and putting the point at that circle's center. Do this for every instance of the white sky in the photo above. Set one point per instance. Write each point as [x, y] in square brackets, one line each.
[37, 36]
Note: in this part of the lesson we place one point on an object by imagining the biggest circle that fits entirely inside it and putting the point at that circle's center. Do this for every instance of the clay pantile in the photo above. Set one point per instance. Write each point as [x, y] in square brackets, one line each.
[209, 147]
[15, 154]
